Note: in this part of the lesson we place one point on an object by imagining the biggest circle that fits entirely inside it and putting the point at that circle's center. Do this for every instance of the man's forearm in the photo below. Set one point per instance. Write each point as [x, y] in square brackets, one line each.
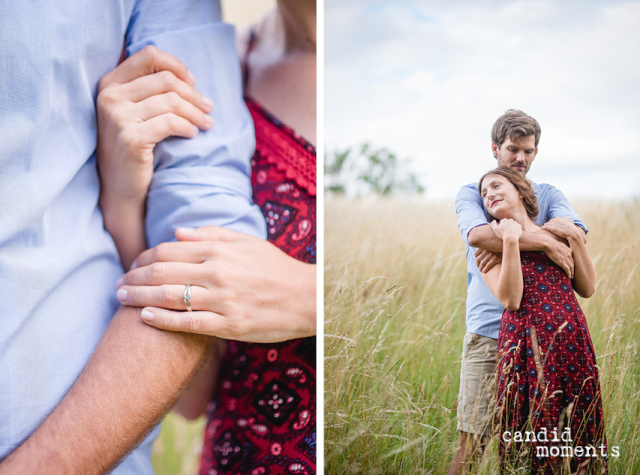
[133, 378]
[483, 237]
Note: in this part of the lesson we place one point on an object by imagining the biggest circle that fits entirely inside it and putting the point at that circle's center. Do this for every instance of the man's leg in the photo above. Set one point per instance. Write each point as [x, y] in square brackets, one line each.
[462, 453]
[476, 399]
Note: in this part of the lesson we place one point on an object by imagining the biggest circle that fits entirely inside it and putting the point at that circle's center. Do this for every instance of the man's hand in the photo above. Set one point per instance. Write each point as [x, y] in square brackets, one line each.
[483, 237]
[562, 255]
[565, 228]
[486, 260]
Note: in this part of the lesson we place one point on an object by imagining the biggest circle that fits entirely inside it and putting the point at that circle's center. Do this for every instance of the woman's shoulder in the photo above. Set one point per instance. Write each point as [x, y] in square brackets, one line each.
[243, 36]
[244, 33]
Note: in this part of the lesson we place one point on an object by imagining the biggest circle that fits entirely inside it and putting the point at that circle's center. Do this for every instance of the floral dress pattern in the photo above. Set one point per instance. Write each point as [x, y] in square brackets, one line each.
[547, 373]
[263, 417]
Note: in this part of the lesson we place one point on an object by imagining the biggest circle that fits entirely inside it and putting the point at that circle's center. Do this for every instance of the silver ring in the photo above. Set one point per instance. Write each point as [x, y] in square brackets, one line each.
[186, 297]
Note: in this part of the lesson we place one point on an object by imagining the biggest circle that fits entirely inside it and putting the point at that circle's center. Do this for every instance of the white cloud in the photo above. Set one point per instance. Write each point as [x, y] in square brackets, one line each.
[428, 79]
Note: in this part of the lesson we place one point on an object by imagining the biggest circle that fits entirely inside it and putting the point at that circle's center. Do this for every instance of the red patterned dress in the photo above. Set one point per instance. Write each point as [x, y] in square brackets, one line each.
[547, 373]
[263, 417]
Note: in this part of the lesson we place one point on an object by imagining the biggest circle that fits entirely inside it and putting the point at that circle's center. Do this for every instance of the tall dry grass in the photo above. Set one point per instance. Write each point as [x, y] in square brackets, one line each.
[395, 287]
[177, 449]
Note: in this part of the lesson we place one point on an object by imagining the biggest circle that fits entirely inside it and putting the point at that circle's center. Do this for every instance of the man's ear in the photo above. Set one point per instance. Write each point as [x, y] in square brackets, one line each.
[495, 149]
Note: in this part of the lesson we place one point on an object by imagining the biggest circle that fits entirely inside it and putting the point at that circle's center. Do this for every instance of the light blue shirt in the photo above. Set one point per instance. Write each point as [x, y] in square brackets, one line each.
[483, 309]
[58, 265]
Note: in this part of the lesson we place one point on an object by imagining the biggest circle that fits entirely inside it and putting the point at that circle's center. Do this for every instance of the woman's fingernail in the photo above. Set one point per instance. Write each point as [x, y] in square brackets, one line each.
[192, 78]
[121, 294]
[146, 315]
[194, 130]
[134, 264]
[185, 230]
[208, 121]
[208, 103]
[119, 282]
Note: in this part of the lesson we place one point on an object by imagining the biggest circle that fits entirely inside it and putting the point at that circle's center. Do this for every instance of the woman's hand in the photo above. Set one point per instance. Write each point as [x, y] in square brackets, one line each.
[147, 98]
[242, 288]
[563, 228]
[507, 229]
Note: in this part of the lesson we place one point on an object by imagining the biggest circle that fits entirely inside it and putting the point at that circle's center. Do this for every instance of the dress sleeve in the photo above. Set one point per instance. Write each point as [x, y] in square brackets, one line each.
[469, 210]
[559, 207]
[204, 180]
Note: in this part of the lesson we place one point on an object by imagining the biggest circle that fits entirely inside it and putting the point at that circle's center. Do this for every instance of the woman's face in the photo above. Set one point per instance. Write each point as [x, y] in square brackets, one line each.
[500, 197]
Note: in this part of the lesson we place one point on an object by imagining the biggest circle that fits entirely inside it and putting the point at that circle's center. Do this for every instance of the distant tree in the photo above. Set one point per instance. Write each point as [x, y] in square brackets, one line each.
[369, 170]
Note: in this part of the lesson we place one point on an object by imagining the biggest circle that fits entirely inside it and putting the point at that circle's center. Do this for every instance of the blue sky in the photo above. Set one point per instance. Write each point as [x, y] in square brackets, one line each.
[428, 79]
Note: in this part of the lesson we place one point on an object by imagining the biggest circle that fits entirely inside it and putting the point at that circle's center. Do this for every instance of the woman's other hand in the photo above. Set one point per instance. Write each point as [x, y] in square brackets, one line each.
[242, 288]
[563, 228]
[147, 98]
[507, 229]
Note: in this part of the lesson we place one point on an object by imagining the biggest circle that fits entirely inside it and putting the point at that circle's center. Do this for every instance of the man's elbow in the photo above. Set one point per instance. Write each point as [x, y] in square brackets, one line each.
[474, 239]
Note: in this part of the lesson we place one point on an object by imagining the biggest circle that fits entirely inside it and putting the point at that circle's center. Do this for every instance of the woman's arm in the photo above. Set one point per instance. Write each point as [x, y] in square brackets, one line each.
[194, 400]
[147, 98]
[505, 279]
[584, 280]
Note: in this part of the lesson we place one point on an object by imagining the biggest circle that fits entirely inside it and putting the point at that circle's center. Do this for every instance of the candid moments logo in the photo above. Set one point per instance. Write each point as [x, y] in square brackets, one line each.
[545, 449]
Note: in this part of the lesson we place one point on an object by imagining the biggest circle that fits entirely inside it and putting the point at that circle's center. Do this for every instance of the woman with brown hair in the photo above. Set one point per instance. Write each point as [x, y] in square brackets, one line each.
[548, 385]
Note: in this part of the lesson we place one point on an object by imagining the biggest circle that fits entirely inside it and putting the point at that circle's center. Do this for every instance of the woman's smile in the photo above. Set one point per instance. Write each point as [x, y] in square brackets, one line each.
[497, 192]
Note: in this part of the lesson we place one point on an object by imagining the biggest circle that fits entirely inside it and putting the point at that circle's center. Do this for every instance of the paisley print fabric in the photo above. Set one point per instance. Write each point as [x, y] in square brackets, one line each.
[262, 419]
[548, 380]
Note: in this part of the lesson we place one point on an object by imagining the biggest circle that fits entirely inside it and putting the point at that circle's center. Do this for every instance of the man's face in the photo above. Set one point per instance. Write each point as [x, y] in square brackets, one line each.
[516, 155]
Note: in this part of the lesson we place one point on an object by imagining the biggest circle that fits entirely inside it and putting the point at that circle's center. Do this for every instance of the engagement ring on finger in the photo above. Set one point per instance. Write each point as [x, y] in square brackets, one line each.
[186, 297]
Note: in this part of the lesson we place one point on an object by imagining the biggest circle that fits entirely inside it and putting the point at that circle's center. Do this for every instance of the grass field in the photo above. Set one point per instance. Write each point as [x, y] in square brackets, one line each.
[395, 286]
[177, 450]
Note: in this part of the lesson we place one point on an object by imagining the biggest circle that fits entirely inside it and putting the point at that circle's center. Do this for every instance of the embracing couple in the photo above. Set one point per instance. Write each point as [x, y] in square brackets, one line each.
[109, 151]
[528, 372]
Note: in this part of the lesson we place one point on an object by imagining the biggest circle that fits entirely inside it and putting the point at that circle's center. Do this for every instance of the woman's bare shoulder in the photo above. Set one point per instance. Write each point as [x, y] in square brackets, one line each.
[242, 40]
[243, 33]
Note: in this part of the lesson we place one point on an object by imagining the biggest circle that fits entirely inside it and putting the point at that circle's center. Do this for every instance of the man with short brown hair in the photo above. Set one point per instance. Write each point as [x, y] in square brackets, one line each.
[514, 136]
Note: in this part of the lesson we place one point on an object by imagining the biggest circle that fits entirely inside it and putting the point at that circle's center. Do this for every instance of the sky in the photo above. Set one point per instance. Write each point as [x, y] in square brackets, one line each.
[427, 79]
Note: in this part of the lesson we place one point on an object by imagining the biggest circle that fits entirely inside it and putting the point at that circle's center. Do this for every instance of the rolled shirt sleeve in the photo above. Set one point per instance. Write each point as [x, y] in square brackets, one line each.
[470, 211]
[559, 207]
[204, 180]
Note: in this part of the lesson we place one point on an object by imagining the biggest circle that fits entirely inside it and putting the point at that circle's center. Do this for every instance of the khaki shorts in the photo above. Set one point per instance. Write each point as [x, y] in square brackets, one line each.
[476, 401]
